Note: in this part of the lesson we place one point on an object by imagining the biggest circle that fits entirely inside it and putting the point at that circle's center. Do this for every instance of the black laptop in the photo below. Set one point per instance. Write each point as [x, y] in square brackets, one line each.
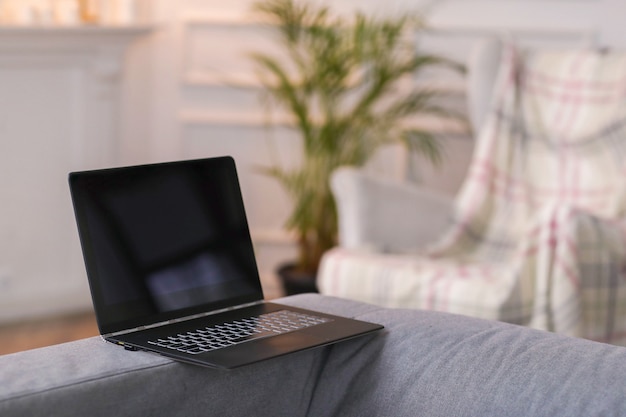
[172, 270]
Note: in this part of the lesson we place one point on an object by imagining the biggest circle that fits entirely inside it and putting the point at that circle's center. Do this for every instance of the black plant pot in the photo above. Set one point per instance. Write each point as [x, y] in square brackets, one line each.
[294, 281]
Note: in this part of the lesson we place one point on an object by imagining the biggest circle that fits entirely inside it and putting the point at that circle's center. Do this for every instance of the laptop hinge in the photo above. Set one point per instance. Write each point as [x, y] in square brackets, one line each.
[181, 319]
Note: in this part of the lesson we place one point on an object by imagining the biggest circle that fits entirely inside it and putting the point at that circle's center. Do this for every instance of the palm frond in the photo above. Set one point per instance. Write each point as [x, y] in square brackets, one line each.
[344, 83]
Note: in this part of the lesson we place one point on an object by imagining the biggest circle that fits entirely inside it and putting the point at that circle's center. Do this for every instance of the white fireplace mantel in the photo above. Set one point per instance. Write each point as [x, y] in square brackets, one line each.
[100, 43]
[73, 35]
[59, 112]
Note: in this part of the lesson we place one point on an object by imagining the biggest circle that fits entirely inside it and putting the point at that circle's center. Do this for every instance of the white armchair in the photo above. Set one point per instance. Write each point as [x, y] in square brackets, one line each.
[383, 215]
[537, 234]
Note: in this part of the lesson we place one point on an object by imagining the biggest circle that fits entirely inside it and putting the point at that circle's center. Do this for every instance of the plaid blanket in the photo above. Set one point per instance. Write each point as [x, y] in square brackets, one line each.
[539, 230]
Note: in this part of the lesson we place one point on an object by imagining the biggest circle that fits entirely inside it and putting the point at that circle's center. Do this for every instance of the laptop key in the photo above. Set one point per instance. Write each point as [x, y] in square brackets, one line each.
[245, 338]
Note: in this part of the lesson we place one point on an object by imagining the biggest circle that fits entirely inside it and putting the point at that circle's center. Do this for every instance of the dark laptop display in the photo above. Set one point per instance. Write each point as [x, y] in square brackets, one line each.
[166, 246]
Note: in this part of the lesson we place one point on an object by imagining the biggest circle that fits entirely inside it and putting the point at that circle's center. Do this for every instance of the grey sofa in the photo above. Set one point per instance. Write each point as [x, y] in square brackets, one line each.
[423, 364]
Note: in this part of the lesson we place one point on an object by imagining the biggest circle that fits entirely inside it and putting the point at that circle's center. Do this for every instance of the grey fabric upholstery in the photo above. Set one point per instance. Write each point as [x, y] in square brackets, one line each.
[423, 364]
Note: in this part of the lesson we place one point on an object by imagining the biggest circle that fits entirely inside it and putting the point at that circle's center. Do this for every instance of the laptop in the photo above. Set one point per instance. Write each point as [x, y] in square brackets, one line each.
[171, 267]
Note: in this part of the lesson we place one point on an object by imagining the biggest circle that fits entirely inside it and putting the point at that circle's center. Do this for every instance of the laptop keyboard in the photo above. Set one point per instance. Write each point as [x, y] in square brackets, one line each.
[239, 331]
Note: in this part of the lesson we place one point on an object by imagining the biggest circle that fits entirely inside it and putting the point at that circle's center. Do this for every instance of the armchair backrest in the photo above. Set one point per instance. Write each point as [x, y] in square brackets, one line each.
[482, 70]
[565, 134]
[554, 134]
[555, 130]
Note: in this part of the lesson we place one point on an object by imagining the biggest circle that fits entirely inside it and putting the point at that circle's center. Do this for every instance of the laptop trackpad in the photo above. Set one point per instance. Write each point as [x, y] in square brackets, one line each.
[261, 349]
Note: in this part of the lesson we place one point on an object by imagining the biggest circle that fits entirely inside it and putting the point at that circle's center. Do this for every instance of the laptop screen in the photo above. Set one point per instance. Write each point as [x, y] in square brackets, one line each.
[164, 241]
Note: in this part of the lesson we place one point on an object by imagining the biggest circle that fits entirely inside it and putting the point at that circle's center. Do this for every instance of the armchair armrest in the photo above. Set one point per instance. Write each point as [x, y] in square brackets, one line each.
[387, 215]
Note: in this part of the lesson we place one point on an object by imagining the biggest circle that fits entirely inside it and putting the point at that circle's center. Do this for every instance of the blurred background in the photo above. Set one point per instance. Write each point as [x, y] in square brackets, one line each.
[87, 84]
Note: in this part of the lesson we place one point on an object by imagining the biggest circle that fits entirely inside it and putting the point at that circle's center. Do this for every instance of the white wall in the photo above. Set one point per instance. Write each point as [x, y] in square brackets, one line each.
[187, 91]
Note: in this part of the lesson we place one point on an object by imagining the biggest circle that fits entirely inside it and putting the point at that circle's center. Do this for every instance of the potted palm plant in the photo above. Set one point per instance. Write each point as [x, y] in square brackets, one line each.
[342, 81]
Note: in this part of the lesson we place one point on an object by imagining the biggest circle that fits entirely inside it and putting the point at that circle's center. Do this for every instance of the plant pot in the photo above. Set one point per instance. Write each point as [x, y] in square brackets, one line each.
[294, 281]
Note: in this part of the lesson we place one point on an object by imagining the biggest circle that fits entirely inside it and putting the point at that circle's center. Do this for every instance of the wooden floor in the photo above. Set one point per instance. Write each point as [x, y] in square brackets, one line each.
[45, 332]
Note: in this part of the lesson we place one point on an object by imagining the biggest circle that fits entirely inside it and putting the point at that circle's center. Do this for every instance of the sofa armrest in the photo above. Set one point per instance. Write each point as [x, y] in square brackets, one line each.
[91, 377]
[423, 363]
[437, 364]
[387, 215]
